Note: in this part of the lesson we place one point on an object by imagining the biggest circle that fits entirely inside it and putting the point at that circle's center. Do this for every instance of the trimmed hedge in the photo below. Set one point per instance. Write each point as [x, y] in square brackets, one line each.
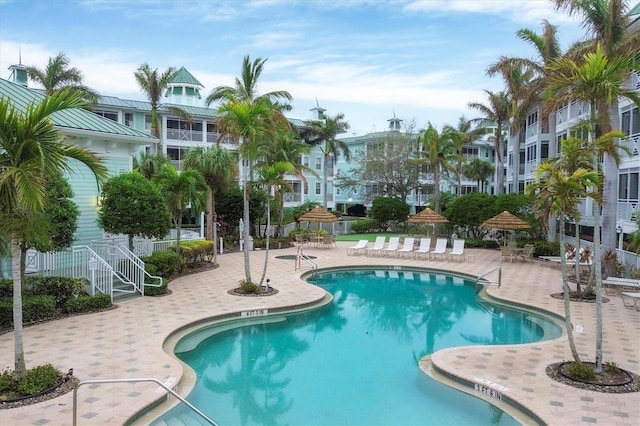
[61, 288]
[163, 263]
[87, 303]
[34, 308]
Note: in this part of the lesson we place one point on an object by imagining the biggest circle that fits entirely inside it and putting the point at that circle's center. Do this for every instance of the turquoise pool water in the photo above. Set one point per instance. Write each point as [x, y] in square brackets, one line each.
[355, 361]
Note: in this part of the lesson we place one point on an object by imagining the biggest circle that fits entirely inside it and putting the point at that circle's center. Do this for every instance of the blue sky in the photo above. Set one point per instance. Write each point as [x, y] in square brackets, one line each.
[422, 60]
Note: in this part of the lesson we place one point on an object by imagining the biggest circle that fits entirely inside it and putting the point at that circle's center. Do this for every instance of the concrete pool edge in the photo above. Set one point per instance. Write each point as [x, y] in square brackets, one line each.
[185, 383]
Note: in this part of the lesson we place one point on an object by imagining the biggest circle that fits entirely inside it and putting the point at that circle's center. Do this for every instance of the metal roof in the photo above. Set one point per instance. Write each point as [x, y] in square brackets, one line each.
[71, 119]
[182, 76]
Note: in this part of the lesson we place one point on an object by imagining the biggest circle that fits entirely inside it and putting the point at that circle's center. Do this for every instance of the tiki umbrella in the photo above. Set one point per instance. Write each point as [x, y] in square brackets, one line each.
[427, 216]
[319, 215]
[505, 220]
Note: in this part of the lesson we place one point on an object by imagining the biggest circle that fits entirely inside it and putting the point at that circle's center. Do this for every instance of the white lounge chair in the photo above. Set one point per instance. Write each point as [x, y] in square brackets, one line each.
[378, 246]
[612, 284]
[631, 299]
[391, 249]
[425, 247]
[359, 248]
[407, 246]
[440, 249]
[457, 250]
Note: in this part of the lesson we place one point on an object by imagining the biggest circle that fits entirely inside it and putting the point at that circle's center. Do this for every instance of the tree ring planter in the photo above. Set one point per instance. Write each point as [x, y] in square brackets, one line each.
[65, 385]
[619, 382]
[262, 292]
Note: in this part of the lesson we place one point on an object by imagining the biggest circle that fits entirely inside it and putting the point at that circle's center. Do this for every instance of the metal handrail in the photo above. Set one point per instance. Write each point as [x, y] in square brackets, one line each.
[300, 256]
[172, 392]
[494, 269]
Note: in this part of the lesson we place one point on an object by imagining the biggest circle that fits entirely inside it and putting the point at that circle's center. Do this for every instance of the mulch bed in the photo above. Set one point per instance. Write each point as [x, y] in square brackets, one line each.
[560, 296]
[260, 293]
[618, 382]
[65, 387]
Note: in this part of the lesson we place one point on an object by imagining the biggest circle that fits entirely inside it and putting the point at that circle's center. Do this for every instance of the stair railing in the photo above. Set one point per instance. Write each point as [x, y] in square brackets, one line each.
[302, 257]
[482, 276]
[165, 387]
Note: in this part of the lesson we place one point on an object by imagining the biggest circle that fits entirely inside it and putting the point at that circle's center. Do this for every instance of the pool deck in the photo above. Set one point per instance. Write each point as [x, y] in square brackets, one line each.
[128, 342]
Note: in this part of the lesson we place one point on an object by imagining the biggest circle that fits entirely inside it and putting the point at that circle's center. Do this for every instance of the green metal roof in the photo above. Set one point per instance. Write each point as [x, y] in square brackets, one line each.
[71, 119]
[635, 10]
[182, 76]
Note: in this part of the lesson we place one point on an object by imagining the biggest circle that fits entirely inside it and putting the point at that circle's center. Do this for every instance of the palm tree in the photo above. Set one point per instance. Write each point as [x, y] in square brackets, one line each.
[498, 110]
[32, 149]
[57, 76]
[325, 132]
[149, 164]
[478, 170]
[249, 118]
[153, 83]
[597, 81]
[559, 192]
[184, 191]
[440, 152]
[218, 167]
[608, 22]
[286, 147]
[466, 132]
[272, 176]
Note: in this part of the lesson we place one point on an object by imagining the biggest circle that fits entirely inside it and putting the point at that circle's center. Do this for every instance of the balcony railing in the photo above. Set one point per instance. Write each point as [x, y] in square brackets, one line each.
[184, 135]
[633, 142]
[634, 81]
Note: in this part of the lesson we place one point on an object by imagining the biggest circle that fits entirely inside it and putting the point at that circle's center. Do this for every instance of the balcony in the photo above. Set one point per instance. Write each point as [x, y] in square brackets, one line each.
[184, 135]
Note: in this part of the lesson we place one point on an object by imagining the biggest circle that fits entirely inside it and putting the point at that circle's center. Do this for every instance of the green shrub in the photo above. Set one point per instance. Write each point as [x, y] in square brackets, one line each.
[611, 367]
[61, 288]
[363, 226]
[478, 243]
[166, 263]
[580, 371]
[39, 379]
[546, 248]
[194, 252]
[6, 381]
[156, 291]
[6, 289]
[249, 287]
[87, 303]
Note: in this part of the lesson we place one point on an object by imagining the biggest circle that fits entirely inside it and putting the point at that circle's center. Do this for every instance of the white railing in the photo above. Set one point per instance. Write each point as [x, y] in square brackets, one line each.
[163, 245]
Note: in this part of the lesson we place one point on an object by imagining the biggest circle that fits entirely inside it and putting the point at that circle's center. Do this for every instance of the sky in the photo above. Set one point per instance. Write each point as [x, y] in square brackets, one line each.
[418, 60]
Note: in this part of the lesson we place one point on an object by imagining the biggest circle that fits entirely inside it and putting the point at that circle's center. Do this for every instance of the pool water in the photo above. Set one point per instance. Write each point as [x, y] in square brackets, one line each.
[355, 361]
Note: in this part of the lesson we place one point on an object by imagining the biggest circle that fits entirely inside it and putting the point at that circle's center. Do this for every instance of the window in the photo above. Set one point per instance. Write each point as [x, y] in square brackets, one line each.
[318, 165]
[318, 188]
[147, 122]
[128, 119]
[544, 150]
[628, 186]
[183, 130]
[630, 122]
[111, 115]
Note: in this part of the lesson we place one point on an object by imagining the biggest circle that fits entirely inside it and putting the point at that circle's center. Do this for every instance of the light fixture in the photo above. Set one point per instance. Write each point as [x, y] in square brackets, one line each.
[99, 200]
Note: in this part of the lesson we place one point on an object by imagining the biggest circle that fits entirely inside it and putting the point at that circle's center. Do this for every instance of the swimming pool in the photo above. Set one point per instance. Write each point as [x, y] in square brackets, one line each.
[355, 360]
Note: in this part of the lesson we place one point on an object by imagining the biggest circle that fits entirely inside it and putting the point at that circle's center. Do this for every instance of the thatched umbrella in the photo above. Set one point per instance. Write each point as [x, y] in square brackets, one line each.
[319, 215]
[505, 220]
[427, 216]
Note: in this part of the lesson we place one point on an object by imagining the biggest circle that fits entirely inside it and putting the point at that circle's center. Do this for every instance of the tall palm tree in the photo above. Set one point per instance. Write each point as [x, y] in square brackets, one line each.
[272, 176]
[560, 192]
[598, 80]
[250, 118]
[324, 133]
[150, 163]
[440, 153]
[478, 170]
[465, 133]
[607, 22]
[287, 147]
[154, 83]
[31, 149]
[184, 191]
[218, 167]
[57, 76]
[497, 109]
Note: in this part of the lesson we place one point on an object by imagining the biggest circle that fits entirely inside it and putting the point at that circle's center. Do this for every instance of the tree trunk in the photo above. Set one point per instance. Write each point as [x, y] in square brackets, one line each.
[325, 183]
[610, 194]
[514, 140]
[552, 231]
[566, 293]
[245, 214]
[20, 368]
[266, 249]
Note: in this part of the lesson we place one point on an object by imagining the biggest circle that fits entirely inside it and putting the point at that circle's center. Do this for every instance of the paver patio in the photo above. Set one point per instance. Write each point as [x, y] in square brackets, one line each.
[128, 342]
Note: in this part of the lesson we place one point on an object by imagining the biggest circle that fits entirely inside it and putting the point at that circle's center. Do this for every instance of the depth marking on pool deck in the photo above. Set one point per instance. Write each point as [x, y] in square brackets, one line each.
[255, 312]
[484, 386]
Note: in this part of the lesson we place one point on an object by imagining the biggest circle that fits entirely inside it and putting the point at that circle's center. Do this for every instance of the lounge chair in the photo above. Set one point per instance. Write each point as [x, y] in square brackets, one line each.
[407, 246]
[425, 247]
[457, 250]
[527, 252]
[631, 299]
[612, 284]
[440, 249]
[359, 248]
[378, 246]
[391, 249]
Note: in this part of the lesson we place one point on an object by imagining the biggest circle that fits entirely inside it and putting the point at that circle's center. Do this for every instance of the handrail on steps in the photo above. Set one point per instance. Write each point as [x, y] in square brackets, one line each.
[300, 256]
[494, 269]
[151, 379]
